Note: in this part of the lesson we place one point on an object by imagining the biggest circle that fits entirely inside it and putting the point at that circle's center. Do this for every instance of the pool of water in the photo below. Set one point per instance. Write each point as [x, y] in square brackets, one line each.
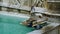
[10, 25]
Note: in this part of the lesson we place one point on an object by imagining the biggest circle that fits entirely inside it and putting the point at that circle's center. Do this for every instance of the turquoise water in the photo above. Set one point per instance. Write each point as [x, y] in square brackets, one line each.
[10, 25]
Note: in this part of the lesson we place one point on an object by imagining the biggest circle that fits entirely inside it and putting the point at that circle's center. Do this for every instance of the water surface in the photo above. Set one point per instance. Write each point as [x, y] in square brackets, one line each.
[10, 25]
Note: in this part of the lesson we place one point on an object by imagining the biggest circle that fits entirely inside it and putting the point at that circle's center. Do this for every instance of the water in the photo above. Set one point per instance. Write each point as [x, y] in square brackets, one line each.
[10, 25]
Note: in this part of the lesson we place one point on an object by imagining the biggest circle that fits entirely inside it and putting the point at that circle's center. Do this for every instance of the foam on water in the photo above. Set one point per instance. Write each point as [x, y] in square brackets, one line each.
[14, 14]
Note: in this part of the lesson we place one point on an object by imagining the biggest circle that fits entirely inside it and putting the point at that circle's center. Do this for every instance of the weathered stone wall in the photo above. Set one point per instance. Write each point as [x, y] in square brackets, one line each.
[54, 7]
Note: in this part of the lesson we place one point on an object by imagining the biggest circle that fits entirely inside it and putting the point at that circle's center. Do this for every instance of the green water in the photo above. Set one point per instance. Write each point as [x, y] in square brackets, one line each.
[10, 25]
